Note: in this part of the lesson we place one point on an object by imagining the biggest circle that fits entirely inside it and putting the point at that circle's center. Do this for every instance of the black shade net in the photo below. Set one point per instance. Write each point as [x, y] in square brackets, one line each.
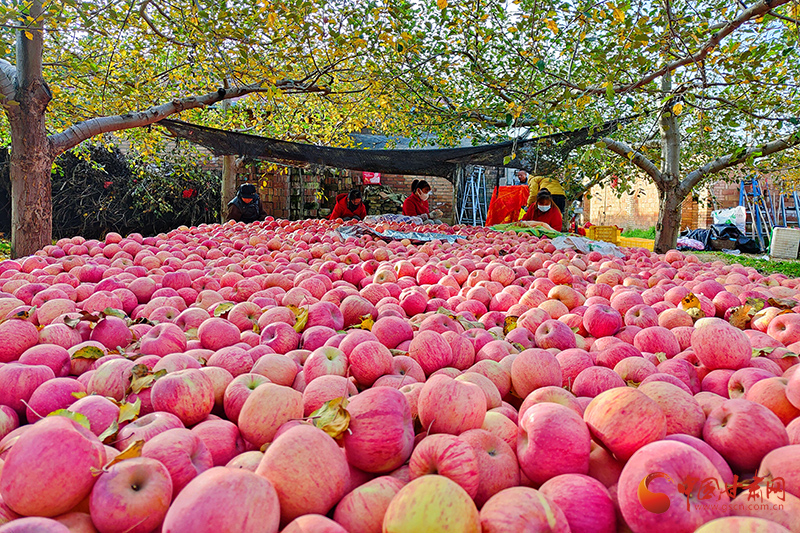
[538, 156]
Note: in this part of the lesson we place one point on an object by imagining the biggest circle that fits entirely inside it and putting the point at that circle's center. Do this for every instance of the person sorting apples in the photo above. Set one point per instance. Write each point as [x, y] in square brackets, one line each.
[349, 206]
[416, 205]
[537, 183]
[545, 211]
[246, 205]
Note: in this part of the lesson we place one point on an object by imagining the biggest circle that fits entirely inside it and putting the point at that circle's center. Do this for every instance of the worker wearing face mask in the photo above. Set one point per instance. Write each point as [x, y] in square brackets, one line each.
[416, 205]
[545, 210]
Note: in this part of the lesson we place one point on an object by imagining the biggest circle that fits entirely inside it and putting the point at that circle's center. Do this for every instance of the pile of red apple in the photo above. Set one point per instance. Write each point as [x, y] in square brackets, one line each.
[272, 376]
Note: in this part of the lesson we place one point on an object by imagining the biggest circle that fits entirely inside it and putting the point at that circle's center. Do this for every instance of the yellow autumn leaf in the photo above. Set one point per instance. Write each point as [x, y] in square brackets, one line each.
[223, 308]
[619, 15]
[551, 25]
[131, 452]
[77, 417]
[677, 109]
[509, 324]
[441, 4]
[691, 304]
[690, 301]
[146, 380]
[272, 18]
[333, 417]
[129, 411]
[301, 317]
[109, 433]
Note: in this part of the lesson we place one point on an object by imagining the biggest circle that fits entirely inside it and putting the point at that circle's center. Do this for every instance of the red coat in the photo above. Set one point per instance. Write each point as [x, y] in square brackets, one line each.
[553, 217]
[414, 207]
[340, 210]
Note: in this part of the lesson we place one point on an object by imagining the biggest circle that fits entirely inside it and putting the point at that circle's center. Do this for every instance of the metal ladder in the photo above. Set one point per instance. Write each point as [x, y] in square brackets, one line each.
[472, 208]
[756, 203]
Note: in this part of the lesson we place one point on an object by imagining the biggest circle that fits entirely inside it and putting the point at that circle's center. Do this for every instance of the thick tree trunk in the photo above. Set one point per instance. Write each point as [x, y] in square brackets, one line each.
[670, 195]
[668, 227]
[31, 151]
[31, 203]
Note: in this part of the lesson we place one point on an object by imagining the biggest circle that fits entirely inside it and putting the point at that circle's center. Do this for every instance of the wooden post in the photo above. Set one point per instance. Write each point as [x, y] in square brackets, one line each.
[228, 186]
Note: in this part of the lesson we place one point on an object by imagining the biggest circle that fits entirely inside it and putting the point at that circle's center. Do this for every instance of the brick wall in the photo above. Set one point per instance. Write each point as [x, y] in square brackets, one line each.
[640, 210]
[441, 191]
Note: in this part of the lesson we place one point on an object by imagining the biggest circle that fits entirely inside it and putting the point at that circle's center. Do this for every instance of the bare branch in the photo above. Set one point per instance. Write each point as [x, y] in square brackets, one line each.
[8, 81]
[81, 131]
[146, 18]
[759, 9]
[737, 157]
[634, 156]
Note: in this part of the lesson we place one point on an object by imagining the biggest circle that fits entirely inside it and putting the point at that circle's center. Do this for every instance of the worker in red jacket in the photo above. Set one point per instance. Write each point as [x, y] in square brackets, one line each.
[545, 210]
[416, 205]
[349, 206]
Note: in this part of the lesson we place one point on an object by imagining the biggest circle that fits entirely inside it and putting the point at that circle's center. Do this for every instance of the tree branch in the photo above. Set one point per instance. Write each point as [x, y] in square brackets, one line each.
[8, 81]
[737, 157]
[151, 24]
[759, 9]
[634, 156]
[77, 133]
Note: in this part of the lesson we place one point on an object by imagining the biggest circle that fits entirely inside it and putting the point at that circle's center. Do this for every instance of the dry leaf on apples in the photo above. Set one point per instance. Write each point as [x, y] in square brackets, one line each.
[88, 352]
[783, 303]
[110, 433]
[756, 303]
[138, 384]
[690, 301]
[301, 318]
[661, 356]
[223, 309]
[741, 316]
[131, 452]
[333, 417]
[79, 394]
[129, 411]
[366, 323]
[510, 324]
[77, 417]
[110, 311]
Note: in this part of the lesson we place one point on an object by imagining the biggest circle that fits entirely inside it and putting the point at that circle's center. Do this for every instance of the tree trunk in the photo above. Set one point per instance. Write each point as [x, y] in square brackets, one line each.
[31, 152]
[668, 227]
[670, 195]
[228, 184]
[228, 190]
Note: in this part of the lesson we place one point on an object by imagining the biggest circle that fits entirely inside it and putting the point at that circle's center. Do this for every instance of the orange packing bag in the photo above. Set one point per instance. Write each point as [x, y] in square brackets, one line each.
[506, 204]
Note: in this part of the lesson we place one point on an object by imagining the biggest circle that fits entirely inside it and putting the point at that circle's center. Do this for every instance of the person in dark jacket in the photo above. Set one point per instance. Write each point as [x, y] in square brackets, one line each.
[349, 206]
[246, 206]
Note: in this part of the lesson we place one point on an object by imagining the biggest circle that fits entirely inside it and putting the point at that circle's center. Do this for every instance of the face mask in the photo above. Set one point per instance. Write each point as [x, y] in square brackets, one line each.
[424, 196]
[543, 208]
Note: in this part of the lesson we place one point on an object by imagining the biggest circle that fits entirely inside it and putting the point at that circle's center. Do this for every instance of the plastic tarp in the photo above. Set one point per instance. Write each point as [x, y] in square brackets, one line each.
[414, 236]
[506, 203]
[584, 245]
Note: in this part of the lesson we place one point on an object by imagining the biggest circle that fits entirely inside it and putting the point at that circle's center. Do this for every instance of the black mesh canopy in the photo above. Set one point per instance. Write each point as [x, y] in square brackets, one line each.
[538, 156]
